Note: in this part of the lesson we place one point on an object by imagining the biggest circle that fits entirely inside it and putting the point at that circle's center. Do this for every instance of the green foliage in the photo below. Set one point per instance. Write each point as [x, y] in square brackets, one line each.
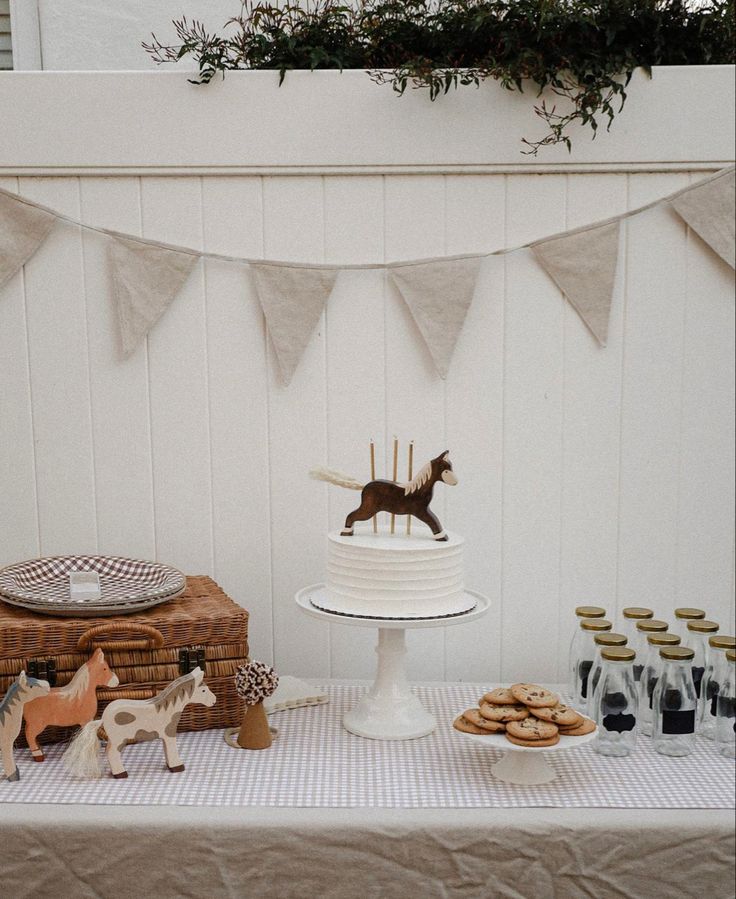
[582, 51]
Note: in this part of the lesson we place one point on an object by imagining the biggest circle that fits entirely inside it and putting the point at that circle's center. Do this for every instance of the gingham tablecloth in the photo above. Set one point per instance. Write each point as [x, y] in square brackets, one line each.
[315, 763]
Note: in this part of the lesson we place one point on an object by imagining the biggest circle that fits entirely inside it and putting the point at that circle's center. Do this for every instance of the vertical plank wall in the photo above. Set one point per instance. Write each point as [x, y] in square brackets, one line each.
[586, 475]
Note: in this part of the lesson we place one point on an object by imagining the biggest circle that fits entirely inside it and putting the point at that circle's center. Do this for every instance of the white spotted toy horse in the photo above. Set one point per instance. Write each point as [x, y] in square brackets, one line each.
[21, 691]
[127, 721]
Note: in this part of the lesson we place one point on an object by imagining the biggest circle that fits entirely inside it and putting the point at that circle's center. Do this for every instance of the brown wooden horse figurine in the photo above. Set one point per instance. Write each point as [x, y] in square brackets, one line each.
[399, 499]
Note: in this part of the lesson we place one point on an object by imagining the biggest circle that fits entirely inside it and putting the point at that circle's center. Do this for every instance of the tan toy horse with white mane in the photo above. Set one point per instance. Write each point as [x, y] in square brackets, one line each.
[127, 721]
[74, 703]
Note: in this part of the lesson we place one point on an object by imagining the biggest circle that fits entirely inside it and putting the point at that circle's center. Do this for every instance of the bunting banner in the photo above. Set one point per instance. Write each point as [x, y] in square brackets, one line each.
[148, 274]
[583, 265]
[710, 210]
[23, 228]
[145, 281]
[438, 295]
[292, 299]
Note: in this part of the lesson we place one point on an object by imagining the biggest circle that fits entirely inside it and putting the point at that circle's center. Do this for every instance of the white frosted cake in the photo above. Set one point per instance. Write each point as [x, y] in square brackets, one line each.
[395, 576]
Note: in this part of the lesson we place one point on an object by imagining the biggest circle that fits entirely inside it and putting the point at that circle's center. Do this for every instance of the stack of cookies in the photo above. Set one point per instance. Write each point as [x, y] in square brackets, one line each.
[528, 715]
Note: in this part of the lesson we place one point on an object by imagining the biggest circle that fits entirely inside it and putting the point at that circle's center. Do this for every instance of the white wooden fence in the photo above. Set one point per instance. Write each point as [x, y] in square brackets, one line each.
[586, 475]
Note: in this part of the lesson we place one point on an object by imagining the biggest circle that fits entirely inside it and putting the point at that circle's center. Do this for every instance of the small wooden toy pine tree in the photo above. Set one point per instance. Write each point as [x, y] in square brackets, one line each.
[255, 681]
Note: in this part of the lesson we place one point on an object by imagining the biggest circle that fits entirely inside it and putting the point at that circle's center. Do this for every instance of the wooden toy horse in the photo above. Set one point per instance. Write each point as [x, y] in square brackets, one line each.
[126, 721]
[74, 703]
[399, 499]
[23, 689]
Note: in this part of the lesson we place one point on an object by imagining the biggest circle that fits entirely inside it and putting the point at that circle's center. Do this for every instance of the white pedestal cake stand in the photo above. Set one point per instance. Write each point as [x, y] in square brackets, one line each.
[389, 711]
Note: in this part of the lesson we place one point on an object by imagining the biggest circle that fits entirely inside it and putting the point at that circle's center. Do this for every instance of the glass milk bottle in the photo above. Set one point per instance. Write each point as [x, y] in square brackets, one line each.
[582, 612]
[614, 707]
[650, 676]
[585, 656]
[639, 644]
[726, 708]
[674, 703]
[682, 616]
[714, 674]
[699, 632]
[601, 641]
[631, 616]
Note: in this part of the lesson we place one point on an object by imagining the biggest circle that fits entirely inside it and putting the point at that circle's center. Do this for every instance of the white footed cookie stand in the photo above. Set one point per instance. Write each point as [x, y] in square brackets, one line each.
[525, 764]
[389, 711]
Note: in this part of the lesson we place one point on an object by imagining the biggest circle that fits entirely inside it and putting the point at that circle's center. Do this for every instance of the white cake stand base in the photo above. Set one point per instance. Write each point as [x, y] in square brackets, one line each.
[525, 764]
[389, 711]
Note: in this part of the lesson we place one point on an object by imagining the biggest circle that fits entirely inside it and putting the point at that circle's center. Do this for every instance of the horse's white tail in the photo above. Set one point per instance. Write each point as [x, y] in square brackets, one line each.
[82, 757]
[335, 477]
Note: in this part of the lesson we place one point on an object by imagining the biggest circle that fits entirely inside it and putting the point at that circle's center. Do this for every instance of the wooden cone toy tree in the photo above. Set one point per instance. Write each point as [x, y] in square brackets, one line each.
[255, 681]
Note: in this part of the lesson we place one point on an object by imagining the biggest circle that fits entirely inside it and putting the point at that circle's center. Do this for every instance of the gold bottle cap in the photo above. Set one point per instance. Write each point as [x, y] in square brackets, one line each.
[722, 642]
[590, 612]
[677, 653]
[618, 654]
[595, 624]
[689, 613]
[731, 655]
[610, 639]
[637, 612]
[701, 626]
[652, 625]
[663, 639]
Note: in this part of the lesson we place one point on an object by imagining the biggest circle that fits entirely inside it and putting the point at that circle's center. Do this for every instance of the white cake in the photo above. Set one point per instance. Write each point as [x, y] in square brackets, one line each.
[395, 576]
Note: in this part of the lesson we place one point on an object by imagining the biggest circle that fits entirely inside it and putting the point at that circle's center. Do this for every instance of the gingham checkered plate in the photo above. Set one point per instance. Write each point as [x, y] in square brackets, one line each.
[127, 585]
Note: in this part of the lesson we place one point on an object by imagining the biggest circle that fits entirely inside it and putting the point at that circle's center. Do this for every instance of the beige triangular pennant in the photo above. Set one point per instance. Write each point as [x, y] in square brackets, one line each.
[438, 295]
[583, 265]
[145, 280]
[23, 228]
[292, 300]
[710, 210]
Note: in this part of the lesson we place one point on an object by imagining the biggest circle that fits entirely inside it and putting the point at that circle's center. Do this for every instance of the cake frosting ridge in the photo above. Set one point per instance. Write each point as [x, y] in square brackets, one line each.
[387, 575]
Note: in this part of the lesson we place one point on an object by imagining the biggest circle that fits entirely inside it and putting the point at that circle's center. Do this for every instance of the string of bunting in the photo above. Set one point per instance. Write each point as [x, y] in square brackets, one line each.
[148, 274]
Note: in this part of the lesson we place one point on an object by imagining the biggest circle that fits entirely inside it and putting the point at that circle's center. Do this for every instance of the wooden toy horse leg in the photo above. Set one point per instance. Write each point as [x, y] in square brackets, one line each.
[171, 754]
[115, 760]
[362, 513]
[32, 731]
[429, 518]
[9, 767]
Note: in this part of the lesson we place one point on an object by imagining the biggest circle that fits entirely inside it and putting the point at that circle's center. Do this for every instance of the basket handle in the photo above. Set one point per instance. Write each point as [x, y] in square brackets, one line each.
[152, 639]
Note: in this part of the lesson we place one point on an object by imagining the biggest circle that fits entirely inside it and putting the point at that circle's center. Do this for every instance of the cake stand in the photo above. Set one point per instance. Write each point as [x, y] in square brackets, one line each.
[525, 764]
[389, 711]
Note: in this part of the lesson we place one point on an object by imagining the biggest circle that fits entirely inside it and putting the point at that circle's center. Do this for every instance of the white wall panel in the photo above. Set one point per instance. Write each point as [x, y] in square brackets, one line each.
[119, 388]
[651, 400]
[533, 410]
[355, 373]
[591, 430]
[59, 367]
[293, 222]
[238, 403]
[586, 474]
[177, 351]
[415, 394]
[19, 530]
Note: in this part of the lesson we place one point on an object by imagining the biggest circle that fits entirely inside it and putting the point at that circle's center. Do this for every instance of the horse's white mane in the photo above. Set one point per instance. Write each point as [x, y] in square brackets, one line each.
[78, 684]
[421, 478]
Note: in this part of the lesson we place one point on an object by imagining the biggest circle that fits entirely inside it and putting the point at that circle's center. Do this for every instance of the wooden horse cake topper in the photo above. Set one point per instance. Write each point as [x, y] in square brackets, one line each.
[412, 498]
[74, 703]
[127, 721]
[22, 690]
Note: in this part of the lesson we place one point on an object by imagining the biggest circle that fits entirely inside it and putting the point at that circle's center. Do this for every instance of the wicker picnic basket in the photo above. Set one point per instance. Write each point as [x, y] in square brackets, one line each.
[147, 650]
